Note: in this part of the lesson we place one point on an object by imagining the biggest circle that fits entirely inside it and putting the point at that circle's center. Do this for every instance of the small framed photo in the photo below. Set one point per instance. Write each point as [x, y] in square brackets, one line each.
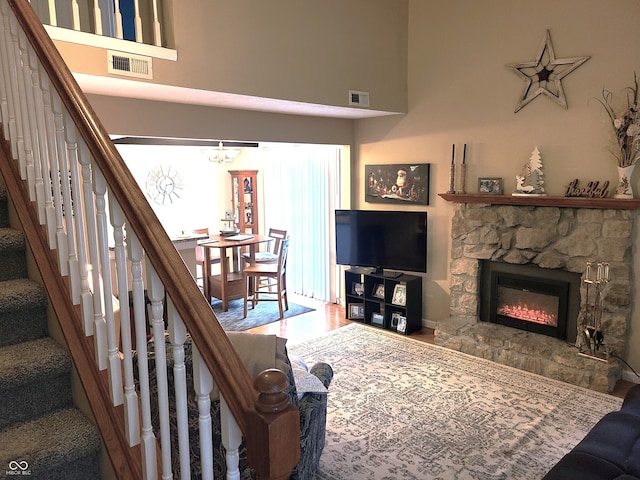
[402, 324]
[377, 319]
[395, 316]
[399, 295]
[378, 291]
[490, 185]
[356, 310]
[358, 289]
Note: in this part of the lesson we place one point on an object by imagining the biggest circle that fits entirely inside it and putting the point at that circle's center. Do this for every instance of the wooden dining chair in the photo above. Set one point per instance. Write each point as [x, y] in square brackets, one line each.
[200, 259]
[272, 255]
[276, 272]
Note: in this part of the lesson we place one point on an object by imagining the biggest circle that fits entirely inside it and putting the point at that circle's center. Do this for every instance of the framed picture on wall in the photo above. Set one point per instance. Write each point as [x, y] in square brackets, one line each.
[397, 183]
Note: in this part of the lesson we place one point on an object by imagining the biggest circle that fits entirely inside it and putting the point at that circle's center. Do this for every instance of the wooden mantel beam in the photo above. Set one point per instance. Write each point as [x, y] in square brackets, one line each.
[543, 201]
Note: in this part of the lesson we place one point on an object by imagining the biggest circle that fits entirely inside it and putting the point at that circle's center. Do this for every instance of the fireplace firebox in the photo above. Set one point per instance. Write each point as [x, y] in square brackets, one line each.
[530, 298]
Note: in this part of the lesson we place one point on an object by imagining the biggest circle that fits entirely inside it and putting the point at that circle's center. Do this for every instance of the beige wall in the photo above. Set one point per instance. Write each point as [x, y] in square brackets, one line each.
[286, 49]
[461, 92]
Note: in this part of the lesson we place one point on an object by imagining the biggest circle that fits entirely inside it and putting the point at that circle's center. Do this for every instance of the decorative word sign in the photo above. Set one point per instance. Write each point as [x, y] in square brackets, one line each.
[592, 190]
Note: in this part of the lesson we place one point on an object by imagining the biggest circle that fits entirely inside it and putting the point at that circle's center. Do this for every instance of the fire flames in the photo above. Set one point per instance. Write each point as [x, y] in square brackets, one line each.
[530, 314]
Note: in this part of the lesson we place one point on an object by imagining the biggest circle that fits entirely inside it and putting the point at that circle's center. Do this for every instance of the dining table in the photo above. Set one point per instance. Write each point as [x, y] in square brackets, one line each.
[229, 283]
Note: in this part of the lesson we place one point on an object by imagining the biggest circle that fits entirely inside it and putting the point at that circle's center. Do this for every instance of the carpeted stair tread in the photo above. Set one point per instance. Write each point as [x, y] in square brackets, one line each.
[11, 239]
[35, 379]
[23, 311]
[62, 444]
[12, 254]
[21, 293]
[25, 362]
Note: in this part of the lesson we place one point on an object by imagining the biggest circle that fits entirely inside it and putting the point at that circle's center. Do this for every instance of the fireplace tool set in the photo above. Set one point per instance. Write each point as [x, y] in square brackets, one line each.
[592, 336]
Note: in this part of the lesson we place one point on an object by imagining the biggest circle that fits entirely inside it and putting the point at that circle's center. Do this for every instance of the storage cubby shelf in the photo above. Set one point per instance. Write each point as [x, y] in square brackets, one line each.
[389, 302]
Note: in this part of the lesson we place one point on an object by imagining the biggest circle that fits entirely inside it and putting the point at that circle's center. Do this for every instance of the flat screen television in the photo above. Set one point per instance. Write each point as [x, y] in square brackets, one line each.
[382, 239]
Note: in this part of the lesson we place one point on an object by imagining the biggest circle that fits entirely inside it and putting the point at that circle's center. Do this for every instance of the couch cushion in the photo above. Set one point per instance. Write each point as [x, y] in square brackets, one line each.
[260, 352]
[613, 438]
[611, 450]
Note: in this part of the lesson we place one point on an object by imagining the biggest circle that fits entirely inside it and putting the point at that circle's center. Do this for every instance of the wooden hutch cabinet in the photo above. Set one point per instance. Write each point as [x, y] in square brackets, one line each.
[244, 201]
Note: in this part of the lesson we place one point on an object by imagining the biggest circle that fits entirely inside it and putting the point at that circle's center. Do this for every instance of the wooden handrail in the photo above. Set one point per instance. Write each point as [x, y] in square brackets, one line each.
[233, 380]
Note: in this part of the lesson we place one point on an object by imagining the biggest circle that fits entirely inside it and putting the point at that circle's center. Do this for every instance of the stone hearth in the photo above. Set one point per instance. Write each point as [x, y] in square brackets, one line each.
[550, 237]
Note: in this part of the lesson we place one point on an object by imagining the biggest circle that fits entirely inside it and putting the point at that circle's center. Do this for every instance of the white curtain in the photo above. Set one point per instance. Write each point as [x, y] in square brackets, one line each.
[298, 191]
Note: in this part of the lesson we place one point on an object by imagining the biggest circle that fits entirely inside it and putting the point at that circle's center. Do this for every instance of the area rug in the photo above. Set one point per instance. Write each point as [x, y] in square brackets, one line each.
[264, 313]
[403, 409]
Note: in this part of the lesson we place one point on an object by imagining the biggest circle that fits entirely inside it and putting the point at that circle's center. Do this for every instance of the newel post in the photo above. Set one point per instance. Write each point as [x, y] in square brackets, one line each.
[273, 437]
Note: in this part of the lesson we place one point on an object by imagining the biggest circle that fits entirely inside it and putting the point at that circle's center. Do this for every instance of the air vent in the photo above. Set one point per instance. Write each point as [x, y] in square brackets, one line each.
[359, 99]
[130, 65]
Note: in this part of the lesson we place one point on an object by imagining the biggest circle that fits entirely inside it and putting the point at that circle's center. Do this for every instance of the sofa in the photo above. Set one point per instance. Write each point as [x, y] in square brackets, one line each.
[610, 451]
[308, 391]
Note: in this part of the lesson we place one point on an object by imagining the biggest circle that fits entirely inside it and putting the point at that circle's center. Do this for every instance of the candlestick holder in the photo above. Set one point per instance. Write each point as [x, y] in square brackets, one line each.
[452, 178]
[463, 178]
[452, 171]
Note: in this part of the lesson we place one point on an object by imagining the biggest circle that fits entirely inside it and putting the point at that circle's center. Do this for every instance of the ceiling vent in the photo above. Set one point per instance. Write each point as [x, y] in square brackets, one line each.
[129, 65]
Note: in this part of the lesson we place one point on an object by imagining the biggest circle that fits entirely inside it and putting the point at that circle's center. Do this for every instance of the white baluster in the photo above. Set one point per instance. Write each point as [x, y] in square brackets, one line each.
[113, 359]
[58, 161]
[97, 17]
[118, 19]
[177, 336]
[10, 79]
[73, 208]
[90, 292]
[75, 15]
[231, 439]
[63, 178]
[20, 103]
[4, 75]
[148, 440]
[155, 290]
[132, 424]
[31, 133]
[53, 18]
[203, 383]
[157, 33]
[55, 225]
[48, 212]
[138, 21]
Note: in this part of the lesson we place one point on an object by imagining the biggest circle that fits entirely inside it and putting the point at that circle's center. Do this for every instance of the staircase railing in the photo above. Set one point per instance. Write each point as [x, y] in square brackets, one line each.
[140, 21]
[68, 183]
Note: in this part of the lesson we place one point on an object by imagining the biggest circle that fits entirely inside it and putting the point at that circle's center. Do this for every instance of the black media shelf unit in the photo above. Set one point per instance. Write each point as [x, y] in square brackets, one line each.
[376, 300]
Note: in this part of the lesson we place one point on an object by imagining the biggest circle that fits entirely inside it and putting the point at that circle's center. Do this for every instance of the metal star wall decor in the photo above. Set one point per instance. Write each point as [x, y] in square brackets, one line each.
[544, 75]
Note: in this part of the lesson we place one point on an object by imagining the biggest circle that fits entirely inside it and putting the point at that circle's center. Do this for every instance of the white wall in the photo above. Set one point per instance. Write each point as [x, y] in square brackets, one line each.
[199, 205]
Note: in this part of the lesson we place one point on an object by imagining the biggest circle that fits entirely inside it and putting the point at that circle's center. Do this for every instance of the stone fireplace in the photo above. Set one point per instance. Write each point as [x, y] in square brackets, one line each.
[549, 238]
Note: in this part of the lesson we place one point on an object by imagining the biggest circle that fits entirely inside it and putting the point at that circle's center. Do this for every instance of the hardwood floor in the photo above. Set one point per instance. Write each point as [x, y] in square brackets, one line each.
[329, 316]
